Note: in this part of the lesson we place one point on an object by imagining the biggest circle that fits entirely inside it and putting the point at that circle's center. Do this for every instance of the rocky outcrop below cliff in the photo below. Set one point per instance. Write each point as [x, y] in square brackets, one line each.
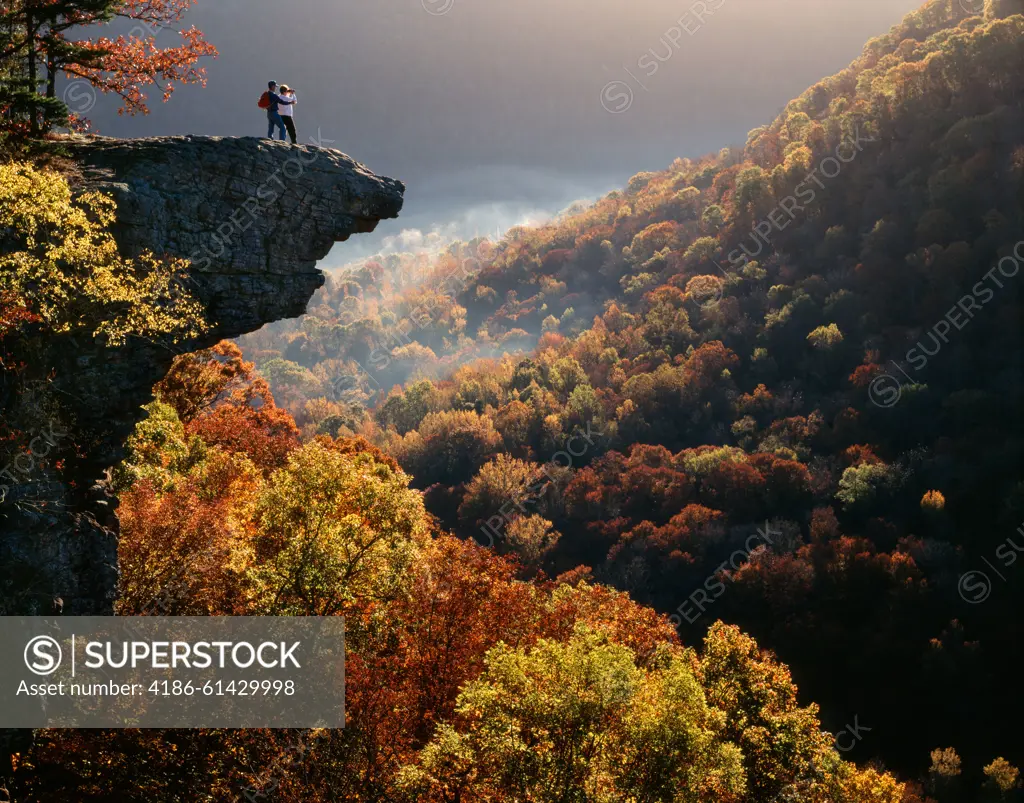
[253, 216]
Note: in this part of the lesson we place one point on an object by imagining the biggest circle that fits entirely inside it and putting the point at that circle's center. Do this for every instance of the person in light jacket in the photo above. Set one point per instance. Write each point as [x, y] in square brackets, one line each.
[287, 111]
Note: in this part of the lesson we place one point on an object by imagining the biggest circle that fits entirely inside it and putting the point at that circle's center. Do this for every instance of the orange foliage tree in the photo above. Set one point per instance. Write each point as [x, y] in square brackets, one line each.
[41, 40]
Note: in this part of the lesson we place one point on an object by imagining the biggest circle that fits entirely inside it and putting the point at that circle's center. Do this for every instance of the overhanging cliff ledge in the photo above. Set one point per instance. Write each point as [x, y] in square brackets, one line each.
[253, 216]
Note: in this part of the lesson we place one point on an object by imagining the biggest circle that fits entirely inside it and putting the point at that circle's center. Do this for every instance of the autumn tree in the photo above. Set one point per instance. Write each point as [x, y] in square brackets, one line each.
[61, 266]
[503, 486]
[203, 380]
[449, 445]
[179, 541]
[334, 532]
[783, 751]
[578, 718]
[1002, 777]
[40, 42]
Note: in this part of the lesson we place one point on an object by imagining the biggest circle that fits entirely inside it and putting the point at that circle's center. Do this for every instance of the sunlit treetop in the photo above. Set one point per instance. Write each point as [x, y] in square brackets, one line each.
[61, 266]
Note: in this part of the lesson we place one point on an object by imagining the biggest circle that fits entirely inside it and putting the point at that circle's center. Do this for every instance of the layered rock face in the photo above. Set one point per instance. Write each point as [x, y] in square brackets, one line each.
[253, 216]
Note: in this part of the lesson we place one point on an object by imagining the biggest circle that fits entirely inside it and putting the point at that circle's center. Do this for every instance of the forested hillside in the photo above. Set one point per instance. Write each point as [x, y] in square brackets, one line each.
[778, 386]
[462, 681]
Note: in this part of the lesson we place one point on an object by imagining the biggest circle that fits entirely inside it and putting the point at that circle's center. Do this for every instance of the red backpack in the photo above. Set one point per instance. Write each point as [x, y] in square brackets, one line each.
[265, 100]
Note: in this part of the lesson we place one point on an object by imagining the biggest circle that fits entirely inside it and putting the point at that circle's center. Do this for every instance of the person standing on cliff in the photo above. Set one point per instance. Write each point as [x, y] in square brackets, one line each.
[273, 103]
[287, 111]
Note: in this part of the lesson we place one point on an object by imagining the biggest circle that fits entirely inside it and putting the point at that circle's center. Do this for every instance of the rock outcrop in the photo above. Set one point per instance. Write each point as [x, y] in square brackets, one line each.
[253, 216]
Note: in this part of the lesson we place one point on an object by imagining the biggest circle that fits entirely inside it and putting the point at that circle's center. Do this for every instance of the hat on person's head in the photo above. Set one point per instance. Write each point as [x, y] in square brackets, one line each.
[285, 88]
[271, 84]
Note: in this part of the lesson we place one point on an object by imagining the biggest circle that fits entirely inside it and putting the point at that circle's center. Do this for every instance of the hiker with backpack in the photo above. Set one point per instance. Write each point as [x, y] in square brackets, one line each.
[287, 111]
[272, 102]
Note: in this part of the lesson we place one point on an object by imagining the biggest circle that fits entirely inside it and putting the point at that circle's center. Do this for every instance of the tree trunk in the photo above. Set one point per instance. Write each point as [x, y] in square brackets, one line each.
[51, 64]
[30, 34]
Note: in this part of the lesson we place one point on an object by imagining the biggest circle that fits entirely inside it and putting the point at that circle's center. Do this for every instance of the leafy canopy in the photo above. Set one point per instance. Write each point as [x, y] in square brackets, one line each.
[60, 266]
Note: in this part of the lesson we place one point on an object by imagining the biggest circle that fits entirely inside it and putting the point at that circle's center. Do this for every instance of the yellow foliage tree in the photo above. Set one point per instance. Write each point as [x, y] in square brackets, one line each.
[333, 532]
[60, 265]
[933, 502]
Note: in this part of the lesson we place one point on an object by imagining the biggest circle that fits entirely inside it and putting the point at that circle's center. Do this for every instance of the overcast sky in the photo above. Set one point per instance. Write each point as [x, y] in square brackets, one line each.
[495, 110]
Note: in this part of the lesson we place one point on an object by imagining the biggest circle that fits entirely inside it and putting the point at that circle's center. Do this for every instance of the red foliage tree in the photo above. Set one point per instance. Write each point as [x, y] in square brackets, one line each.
[44, 42]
